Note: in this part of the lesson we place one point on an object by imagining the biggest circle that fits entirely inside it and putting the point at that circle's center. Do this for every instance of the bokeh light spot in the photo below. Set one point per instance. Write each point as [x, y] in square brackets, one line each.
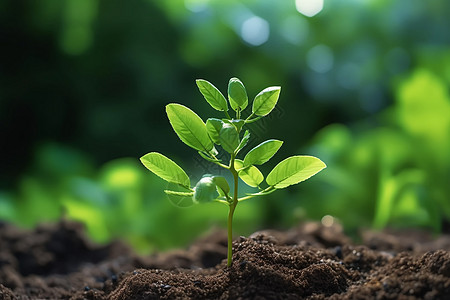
[327, 221]
[320, 59]
[255, 31]
[309, 8]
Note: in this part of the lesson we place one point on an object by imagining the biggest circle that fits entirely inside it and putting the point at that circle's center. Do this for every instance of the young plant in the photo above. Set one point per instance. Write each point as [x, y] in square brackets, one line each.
[229, 134]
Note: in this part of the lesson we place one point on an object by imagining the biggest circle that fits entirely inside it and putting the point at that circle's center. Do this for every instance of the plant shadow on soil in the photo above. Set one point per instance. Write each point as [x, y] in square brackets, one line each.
[306, 262]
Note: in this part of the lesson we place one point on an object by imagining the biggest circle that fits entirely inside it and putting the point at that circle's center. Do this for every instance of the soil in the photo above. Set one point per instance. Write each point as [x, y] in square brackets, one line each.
[307, 262]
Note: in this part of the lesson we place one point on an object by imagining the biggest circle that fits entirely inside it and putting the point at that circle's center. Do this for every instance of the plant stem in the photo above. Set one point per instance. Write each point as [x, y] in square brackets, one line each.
[248, 120]
[231, 212]
[266, 191]
[230, 235]
[249, 117]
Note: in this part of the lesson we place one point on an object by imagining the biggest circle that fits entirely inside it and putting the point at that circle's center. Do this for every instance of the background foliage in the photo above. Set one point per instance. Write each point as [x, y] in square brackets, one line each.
[83, 85]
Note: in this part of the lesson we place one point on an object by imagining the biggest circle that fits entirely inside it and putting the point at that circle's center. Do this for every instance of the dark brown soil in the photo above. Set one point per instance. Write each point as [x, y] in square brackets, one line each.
[307, 262]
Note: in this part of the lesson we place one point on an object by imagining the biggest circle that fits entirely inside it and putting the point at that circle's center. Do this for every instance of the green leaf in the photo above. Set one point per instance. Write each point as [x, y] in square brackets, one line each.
[165, 168]
[205, 190]
[266, 100]
[250, 175]
[238, 123]
[180, 196]
[207, 157]
[293, 170]
[222, 184]
[244, 141]
[229, 137]
[213, 127]
[262, 153]
[214, 97]
[237, 94]
[189, 127]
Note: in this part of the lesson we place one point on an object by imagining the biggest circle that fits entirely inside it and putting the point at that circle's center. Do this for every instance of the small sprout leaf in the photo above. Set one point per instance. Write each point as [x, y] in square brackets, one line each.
[244, 141]
[205, 190]
[166, 169]
[229, 137]
[222, 184]
[293, 170]
[237, 94]
[214, 97]
[213, 127]
[262, 153]
[266, 100]
[189, 127]
[237, 123]
[250, 175]
[208, 158]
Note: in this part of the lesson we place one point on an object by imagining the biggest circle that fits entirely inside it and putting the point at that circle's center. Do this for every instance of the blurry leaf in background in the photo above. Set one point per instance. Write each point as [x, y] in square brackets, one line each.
[121, 174]
[77, 32]
[55, 162]
[7, 209]
[36, 202]
[397, 201]
[424, 111]
[399, 174]
[92, 217]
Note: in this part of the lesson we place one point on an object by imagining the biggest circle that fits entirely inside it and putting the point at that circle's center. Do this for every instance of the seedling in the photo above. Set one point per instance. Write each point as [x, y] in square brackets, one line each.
[229, 134]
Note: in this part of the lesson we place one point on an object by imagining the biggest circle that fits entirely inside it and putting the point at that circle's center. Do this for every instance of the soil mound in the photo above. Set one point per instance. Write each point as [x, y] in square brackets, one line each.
[307, 262]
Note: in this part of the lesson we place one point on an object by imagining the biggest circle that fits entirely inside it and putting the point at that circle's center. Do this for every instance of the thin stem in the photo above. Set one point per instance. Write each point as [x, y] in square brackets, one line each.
[230, 235]
[231, 212]
[222, 165]
[222, 201]
[248, 120]
[249, 117]
[227, 115]
[266, 191]
[217, 161]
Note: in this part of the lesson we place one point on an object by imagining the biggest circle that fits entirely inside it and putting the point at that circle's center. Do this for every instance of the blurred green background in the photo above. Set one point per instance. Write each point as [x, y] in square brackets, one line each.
[83, 85]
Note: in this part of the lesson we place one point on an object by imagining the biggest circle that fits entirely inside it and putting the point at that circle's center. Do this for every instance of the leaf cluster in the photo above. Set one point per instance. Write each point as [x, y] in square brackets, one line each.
[231, 135]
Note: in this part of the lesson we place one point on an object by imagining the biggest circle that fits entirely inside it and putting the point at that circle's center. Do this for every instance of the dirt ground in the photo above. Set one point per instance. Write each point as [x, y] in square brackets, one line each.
[307, 262]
